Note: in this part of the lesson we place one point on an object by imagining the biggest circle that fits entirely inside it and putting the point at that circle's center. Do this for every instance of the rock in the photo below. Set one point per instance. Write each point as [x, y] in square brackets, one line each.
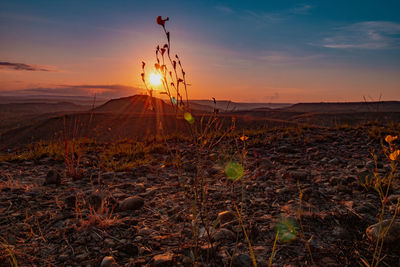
[329, 262]
[340, 232]
[334, 161]
[52, 177]
[95, 200]
[108, 175]
[81, 257]
[163, 260]
[109, 242]
[131, 263]
[242, 260]
[108, 261]
[129, 248]
[226, 216]
[224, 234]
[300, 174]
[392, 235]
[267, 163]
[131, 203]
[144, 231]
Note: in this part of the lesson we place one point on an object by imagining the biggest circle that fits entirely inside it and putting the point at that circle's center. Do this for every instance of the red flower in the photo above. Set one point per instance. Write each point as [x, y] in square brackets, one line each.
[161, 21]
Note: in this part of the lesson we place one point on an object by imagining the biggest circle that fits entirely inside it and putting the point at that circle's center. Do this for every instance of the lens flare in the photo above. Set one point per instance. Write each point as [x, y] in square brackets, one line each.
[155, 79]
[234, 170]
[188, 117]
[287, 230]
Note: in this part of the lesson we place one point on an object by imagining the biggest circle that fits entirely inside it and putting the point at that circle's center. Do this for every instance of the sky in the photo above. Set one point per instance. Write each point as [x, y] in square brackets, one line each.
[247, 51]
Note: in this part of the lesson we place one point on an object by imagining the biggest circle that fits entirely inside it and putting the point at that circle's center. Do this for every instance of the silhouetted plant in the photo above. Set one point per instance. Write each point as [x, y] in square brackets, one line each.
[206, 133]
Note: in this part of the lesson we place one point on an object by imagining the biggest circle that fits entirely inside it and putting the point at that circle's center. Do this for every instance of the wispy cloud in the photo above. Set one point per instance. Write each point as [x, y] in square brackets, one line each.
[284, 58]
[106, 90]
[265, 17]
[23, 66]
[281, 15]
[301, 9]
[225, 9]
[365, 35]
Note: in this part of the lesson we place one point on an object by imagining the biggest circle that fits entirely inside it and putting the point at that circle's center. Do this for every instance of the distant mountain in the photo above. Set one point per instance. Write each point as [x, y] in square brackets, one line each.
[14, 115]
[228, 106]
[137, 104]
[79, 100]
[345, 107]
[40, 108]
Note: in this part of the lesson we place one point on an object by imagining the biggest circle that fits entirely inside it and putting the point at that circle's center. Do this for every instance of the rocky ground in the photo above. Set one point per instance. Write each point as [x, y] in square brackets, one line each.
[142, 218]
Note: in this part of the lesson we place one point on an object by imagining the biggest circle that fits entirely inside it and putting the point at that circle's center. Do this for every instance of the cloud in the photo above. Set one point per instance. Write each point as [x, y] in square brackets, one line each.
[284, 58]
[265, 17]
[301, 9]
[225, 9]
[22, 66]
[280, 15]
[365, 35]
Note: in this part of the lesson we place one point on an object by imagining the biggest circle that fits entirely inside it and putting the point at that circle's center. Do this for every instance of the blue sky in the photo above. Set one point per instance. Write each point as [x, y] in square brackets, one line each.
[257, 51]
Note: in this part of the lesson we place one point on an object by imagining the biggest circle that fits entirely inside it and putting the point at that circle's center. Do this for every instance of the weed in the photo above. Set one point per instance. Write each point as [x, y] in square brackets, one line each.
[206, 133]
[382, 184]
[11, 256]
[36, 151]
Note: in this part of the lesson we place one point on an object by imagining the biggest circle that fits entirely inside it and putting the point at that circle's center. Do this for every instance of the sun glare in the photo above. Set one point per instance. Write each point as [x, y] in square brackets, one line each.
[155, 79]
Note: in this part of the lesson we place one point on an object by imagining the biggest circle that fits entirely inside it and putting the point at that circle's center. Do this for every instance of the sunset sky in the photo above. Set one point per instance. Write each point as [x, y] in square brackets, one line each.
[249, 51]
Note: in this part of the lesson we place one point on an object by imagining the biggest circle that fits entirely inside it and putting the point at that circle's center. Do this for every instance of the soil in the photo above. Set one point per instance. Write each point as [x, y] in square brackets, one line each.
[143, 216]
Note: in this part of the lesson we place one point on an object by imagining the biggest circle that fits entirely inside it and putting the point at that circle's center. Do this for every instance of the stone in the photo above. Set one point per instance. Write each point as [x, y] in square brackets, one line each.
[95, 200]
[340, 232]
[329, 262]
[224, 234]
[131, 203]
[163, 260]
[108, 261]
[109, 242]
[334, 161]
[267, 163]
[129, 248]
[242, 260]
[108, 175]
[225, 217]
[300, 174]
[392, 235]
[52, 177]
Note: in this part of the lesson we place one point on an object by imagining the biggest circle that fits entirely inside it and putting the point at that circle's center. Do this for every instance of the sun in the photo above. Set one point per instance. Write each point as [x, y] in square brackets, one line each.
[155, 79]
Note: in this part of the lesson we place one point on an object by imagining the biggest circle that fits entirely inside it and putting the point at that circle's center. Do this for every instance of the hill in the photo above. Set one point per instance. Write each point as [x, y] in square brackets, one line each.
[325, 107]
[229, 106]
[14, 115]
[40, 108]
[140, 116]
[137, 104]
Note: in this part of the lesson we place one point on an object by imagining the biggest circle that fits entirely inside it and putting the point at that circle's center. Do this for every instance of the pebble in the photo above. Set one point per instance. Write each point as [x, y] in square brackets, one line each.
[393, 234]
[224, 234]
[52, 177]
[300, 175]
[108, 261]
[163, 260]
[131, 203]
[225, 217]
[242, 260]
